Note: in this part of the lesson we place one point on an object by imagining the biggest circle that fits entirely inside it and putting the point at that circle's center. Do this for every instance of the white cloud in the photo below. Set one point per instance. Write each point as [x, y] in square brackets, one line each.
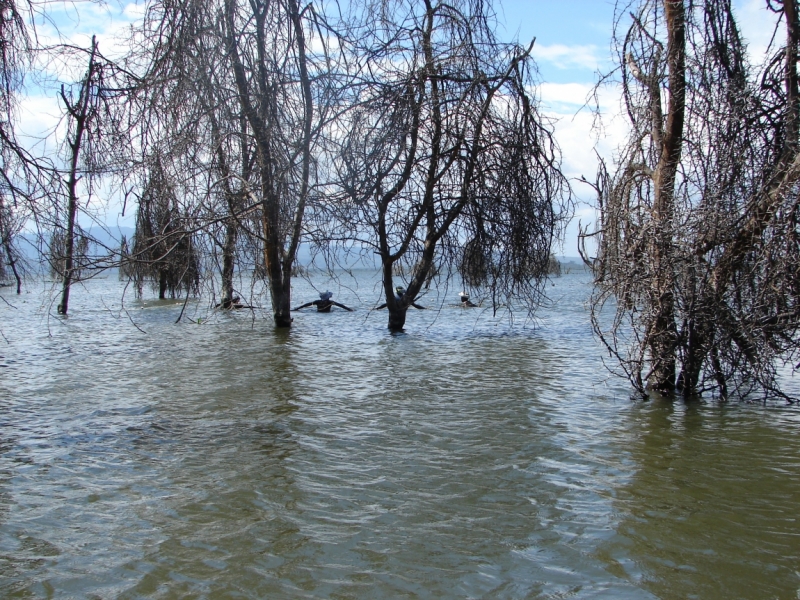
[134, 11]
[554, 94]
[581, 138]
[39, 118]
[75, 25]
[574, 130]
[568, 57]
[579, 132]
[318, 46]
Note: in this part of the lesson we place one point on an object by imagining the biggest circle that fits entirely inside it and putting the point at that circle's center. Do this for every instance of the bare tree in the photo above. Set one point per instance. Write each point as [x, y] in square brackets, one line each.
[33, 186]
[240, 81]
[22, 176]
[126, 263]
[180, 112]
[234, 160]
[95, 128]
[9, 226]
[447, 165]
[82, 111]
[163, 247]
[697, 224]
[57, 253]
[270, 61]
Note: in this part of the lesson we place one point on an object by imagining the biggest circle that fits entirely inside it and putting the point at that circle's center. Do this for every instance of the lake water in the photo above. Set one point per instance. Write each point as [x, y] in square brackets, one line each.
[470, 457]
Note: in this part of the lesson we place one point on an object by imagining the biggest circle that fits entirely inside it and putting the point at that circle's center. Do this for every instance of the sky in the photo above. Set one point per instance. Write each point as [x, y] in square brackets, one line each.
[572, 47]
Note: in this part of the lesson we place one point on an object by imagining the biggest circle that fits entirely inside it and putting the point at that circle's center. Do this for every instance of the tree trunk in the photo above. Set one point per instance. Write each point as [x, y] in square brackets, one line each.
[5, 233]
[791, 79]
[397, 317]
[228, 262]
[231, 227]
[396, 308]
[281, 293]
[79, 112]
[13, 264]
[698, 333]
[663, 333]
[162, 284]
[278, 259]
[695, 352]
[69, 246]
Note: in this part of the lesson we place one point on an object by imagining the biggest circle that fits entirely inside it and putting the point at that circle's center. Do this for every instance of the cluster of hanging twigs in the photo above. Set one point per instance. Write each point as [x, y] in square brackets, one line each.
[696, 270]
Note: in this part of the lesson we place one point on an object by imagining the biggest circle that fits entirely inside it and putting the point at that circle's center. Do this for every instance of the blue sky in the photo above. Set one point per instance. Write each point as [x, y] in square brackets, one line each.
[571, 36]
[572, 47]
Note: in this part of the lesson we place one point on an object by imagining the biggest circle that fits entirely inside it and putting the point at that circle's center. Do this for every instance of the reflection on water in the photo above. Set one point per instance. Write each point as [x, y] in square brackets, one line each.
[712, 508]
[464, 458]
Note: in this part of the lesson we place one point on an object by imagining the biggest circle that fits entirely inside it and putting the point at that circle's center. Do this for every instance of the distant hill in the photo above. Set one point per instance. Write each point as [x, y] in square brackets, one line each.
[109, 238]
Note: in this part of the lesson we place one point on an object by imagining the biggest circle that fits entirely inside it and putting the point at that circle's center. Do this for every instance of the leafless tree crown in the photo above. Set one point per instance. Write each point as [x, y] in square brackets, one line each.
[446, 165]
[697, 263]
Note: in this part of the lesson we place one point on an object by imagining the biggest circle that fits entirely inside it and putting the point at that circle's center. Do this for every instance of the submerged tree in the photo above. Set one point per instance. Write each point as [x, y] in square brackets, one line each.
[95, 128]
[188, 120]
[82, 115]
[126, 267]
[14, 44]
[697, 236]
[163, 248]
[276, 77]
[447, 164]
[23, 176]
[233, 163]
[257, 96]
[57, 253]
[9, 255]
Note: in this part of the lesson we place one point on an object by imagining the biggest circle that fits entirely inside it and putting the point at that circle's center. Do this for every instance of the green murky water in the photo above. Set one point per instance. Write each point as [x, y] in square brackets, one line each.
[467, 458]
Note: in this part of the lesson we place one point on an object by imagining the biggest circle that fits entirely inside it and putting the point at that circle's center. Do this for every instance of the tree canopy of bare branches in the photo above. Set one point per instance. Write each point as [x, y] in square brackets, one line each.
[697, 238]
[239, 85]
[243, 129]
[85, 111]
[18, 173]
[39, 192]
[163, 253]
[447, 165]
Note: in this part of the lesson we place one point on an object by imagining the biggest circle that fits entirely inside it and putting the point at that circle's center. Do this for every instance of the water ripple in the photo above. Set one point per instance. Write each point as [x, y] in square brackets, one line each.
[467, 457]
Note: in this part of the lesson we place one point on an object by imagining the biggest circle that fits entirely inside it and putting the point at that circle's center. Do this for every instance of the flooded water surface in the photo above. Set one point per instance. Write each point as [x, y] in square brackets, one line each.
[470, 457]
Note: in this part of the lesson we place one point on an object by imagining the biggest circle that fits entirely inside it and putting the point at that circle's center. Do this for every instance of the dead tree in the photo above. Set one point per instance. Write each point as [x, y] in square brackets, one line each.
[24, 178]
[276, 97]
[697, 228]
[125, 271]
[57, 254]
[233, 163]
[448, 165]
[14, 47]
[80, 111]
[40, 192]
[242, 76]
[163, 251]
[88, 118]
[9, 255]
